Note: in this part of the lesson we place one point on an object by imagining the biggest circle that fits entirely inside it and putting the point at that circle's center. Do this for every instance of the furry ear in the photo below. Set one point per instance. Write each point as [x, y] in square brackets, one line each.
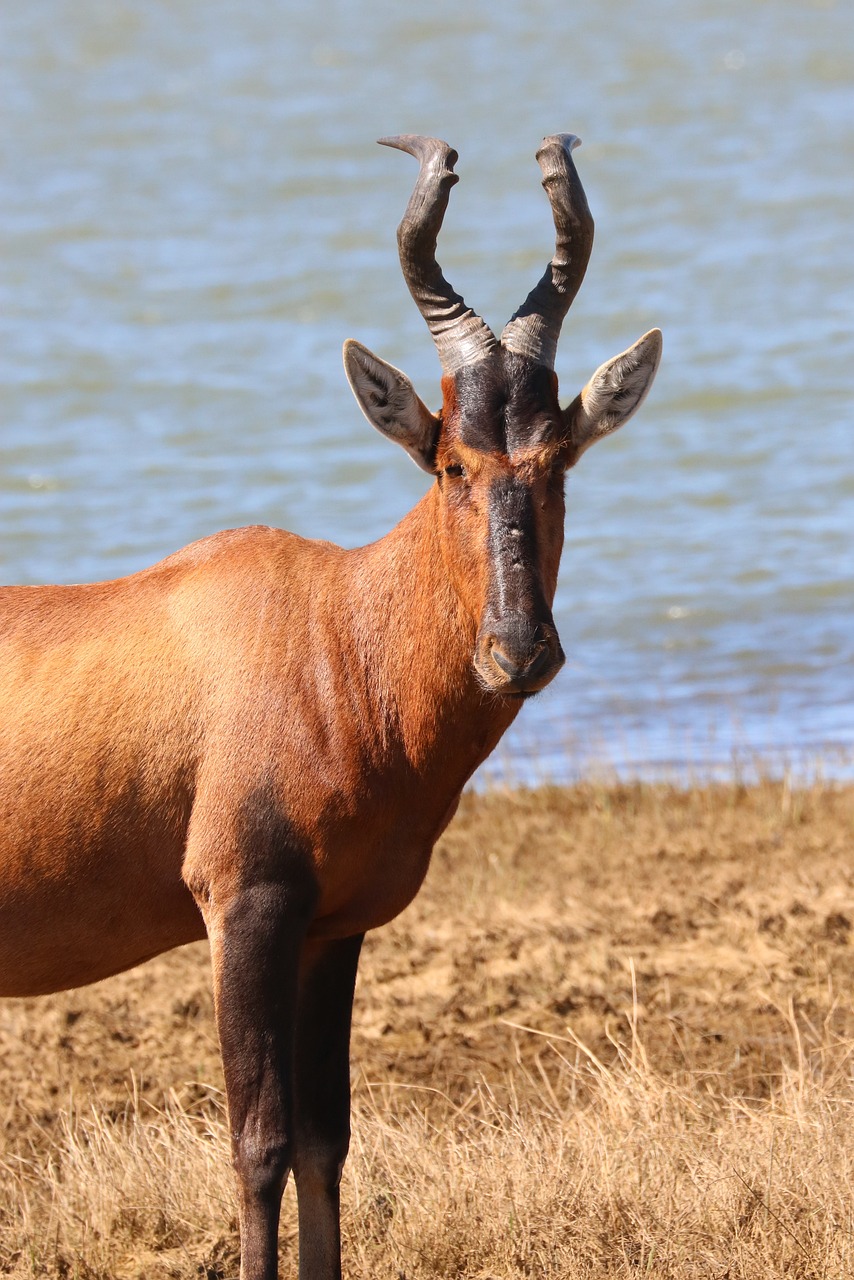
[388, 400]
[612, 395]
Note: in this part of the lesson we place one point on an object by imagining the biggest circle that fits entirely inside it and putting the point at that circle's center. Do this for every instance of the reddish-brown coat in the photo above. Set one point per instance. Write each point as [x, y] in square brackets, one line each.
[339, 681]
[261, 738]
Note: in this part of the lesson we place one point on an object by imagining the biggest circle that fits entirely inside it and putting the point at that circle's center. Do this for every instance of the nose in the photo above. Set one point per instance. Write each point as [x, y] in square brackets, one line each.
[519, 659]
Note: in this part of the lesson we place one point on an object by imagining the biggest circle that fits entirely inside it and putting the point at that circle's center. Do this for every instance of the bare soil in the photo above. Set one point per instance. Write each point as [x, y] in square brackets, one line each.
[593, 980]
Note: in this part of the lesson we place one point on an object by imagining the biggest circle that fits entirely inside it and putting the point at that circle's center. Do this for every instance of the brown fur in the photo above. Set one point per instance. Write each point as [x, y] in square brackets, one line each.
[341, 679]
[261, 739]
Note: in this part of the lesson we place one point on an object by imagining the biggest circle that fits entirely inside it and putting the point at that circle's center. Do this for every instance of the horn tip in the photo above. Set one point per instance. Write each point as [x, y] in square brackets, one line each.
[568, 142]
[424, 148]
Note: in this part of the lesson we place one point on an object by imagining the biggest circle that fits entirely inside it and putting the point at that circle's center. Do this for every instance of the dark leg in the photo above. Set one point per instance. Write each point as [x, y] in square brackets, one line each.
[255, 943]
[322, 1081]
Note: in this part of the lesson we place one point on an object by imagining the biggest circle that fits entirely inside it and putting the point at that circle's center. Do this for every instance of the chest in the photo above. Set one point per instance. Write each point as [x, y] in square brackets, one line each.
[370, 871]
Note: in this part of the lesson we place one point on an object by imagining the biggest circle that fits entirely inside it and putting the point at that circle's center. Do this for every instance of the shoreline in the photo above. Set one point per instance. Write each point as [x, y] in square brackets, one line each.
[798, 768]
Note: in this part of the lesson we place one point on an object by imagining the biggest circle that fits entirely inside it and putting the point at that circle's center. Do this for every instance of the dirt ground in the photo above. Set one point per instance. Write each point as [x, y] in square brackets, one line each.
[711, 925]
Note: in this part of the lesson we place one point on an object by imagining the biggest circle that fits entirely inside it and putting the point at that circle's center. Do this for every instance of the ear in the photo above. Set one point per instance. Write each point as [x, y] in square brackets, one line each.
[612, 395]
[388, 400]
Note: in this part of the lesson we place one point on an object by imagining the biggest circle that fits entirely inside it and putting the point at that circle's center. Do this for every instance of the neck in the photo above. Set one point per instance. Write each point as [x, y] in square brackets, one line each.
[417, 644]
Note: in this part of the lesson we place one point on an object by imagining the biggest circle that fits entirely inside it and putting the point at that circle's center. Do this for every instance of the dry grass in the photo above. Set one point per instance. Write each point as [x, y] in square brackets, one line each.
[613, 1037]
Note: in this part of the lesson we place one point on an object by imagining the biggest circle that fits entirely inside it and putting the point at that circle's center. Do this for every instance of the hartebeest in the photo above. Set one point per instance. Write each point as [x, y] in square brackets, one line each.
[261, 738]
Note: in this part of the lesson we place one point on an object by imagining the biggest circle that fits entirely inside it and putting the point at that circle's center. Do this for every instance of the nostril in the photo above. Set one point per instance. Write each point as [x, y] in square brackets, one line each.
[538, 663]
[506, 664]
[521, 670]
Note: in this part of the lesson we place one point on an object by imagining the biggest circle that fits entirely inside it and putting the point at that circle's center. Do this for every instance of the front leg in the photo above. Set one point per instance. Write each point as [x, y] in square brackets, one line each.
[256, 936]
[322, 1060]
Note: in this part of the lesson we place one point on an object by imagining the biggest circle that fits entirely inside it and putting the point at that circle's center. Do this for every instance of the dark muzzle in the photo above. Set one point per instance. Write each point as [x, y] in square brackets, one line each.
[518, 657]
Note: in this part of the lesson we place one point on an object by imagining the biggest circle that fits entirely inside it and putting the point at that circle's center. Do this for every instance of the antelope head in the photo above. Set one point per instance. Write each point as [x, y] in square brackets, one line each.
[501, 444]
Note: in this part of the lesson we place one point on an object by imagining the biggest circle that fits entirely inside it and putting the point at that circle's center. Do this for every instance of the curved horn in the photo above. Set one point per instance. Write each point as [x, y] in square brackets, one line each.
[461, 337]
[535, 328]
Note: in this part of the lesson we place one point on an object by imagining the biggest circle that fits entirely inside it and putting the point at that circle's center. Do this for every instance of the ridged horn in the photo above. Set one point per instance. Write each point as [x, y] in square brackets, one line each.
[535, 328]
[461, 337]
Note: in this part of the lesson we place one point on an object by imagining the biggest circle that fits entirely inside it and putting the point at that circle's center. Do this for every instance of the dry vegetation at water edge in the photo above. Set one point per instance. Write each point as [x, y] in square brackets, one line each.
[612, 1037]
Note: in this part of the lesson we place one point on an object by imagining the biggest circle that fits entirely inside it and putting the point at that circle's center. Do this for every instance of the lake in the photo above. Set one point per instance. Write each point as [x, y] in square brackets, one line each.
[194, 215]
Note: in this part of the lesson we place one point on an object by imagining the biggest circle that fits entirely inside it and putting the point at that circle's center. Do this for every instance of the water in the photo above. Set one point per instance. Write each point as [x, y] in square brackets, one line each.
[194, 215]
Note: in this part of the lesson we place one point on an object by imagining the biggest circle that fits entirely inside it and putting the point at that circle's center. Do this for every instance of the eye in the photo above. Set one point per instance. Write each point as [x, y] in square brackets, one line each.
[456, 469]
